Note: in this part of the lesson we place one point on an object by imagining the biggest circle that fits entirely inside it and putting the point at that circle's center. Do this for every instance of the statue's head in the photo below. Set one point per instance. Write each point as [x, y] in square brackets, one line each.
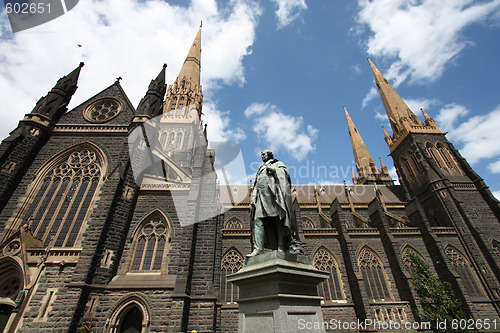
[266, 155]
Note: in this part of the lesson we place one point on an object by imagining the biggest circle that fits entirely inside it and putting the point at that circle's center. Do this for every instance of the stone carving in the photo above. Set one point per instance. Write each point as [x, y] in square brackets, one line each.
[273, 221]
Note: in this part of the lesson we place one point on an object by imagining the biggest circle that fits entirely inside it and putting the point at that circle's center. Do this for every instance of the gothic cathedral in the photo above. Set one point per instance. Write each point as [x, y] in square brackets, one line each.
[87, 245]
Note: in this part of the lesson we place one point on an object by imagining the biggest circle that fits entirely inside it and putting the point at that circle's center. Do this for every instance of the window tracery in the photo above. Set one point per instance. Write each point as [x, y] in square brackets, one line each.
[330, 289]
[307, 223]
[152, 244]
[234, 224]
[64, 198]
[230, 264]
[463, 268]
[407, 169]
[373, 272]
[431, 150]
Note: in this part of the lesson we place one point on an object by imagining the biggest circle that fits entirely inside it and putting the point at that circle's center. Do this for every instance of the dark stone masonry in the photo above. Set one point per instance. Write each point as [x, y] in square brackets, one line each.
[94, 235]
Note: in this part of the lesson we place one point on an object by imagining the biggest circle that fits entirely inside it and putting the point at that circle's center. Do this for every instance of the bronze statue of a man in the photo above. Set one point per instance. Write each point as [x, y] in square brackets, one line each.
[274, 225]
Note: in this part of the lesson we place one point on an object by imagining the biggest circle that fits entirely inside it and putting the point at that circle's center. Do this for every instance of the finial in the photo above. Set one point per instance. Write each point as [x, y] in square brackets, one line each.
[118, 79]
[165, 65]
[201, 24]
[82, 64]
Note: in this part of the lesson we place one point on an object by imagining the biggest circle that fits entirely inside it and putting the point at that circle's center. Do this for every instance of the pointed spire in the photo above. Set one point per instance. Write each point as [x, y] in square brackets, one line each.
[387, 137]
[428, 120]
[185, 96]
[54, 104]
[354, 179]
[384, 169]
[400, 115]
[191, 69]
[364, 161]
[151, 104]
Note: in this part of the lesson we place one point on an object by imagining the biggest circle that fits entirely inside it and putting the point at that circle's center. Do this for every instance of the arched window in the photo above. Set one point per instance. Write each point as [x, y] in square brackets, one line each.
[407, 169]
[179, 140]
[431, 150]
[231, 262]
[163, 140]
[463, 268]
[330, 289]
[64, 196]
[307, 223]
[180, 109]
[152, 243]
[171, 140]
[448, 159]
[406, 258]
[415, 163]
[234, 224]
[174, 104]
[131, 322]
[373, 272]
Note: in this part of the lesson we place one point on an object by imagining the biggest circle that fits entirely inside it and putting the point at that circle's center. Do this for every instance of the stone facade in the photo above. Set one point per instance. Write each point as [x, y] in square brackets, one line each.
[84, 241]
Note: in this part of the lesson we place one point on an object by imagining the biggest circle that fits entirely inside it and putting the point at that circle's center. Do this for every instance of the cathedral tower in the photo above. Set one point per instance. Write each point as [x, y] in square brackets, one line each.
[444, 192]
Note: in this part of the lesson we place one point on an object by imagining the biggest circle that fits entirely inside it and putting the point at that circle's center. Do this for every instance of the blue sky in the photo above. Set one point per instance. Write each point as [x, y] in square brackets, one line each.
[276, 73]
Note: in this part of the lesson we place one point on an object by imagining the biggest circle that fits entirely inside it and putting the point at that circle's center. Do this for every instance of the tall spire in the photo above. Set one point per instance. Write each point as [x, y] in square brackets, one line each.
[401, 118]
[54, 104]
[151, 104]
[191, 69]
[368, 172]
[185, 96]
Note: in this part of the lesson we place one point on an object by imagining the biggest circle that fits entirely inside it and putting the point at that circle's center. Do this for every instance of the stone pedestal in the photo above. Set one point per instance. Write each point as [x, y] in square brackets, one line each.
[278, 293]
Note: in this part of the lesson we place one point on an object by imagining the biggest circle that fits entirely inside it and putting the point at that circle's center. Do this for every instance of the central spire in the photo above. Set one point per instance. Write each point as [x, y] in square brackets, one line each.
[184, 96]
[403, 121]
[191, 68]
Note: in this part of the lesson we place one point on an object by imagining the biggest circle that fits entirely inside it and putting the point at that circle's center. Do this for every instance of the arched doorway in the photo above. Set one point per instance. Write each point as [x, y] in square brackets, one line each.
[131, 321]
[5, 312]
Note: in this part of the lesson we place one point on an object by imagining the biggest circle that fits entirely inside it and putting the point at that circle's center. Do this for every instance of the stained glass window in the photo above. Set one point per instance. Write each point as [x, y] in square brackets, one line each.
[330, 289]
[463, 268]
[231, 263]
[64, 198]
[373, 272]
[152, 244]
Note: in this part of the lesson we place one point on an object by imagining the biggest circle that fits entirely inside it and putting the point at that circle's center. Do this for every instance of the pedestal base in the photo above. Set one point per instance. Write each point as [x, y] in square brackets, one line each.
[278, 293]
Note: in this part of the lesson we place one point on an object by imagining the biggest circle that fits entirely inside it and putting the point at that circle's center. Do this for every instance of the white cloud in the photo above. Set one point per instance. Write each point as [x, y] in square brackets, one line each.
[479, 135]
[288, 11]
[415, 104]
[494, 167]
[371, 95]
[218, 129]
[422, 35]
[448, 116]
[127, 38]
[281, 131]
[496, 194]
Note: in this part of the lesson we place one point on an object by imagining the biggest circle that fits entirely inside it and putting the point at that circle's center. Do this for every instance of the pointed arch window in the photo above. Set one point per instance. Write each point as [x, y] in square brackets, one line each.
[63, 200]
[174, 104]
[415, 163]
[374, 276]
[163, 140]
[463, 268]
[231, 263]
[307, 223]
[234, 224]
[431, 150]
[406, 258]
[152, 243]
[179, 140]
[171, 140]
[182, 102]
[407, 169]
[330, 289]
[448, 159]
